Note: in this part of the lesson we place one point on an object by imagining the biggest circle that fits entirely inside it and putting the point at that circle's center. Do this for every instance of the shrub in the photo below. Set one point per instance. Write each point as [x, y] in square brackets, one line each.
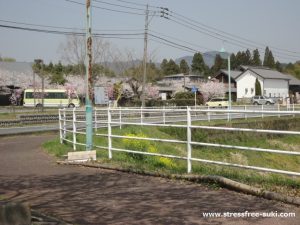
[145, 146]
[136, 145]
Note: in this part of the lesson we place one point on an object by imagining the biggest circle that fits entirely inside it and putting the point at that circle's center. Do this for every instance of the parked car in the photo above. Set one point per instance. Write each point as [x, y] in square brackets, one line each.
[217, 102]
[262, 100]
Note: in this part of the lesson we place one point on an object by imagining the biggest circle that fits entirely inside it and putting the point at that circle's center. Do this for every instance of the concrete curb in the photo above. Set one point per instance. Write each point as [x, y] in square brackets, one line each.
[222, 181]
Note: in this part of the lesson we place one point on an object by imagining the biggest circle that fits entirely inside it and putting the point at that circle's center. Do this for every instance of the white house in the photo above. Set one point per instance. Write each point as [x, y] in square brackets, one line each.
[273, 83]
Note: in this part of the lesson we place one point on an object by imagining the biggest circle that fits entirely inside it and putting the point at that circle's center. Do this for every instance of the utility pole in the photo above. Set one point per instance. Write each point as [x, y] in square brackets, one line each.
[88, 81]
[145, 55]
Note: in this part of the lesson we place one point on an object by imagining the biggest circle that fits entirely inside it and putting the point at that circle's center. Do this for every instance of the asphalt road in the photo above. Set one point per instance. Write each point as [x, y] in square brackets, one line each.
[94, 196]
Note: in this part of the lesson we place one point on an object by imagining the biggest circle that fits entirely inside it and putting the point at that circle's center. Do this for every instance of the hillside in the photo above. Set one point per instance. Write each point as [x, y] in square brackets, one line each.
[208, 57]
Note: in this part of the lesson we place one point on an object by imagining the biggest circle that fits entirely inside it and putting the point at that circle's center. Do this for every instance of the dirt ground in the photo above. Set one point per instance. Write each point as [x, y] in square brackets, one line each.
[94, 196]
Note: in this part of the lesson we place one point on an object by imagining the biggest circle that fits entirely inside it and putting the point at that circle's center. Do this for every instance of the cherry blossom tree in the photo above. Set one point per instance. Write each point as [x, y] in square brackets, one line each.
[152, 92]
[212, 89]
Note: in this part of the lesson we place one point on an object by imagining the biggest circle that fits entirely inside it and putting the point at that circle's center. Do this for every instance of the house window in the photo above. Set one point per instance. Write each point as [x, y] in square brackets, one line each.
[270, 95]
[252, 90]
[265, 92]
[246, 91]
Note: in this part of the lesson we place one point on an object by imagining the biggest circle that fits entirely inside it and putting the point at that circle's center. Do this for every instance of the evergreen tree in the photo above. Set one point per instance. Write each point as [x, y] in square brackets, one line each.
[219, 64]
[163, 66]
[172, 68]
[233, 62]
[278, 66]
[257, 87]
[247, 57]
[271, 61]
[184, 67]
[266, 57]
[256, 58]
[198, 65]
[239, 58]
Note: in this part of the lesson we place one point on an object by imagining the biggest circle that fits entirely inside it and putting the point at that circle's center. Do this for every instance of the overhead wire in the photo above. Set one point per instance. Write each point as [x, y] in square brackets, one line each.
[66, 28]
[230, 40]
[108, 9]
[236, 36]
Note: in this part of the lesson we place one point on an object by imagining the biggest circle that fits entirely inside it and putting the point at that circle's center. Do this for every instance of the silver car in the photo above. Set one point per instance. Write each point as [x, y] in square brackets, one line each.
[262, 100]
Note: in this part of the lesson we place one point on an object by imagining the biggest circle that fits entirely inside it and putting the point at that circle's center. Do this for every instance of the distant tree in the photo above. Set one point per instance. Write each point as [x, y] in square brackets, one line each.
[267, 52]
[198, 65]
[7, 59]
[278, 66]
[172, 68]
[248, 57]
[163, 66]
[256, 61]
[184, 67]
[239, 58]
[257, 87]
[233, 61]
[219, 64]
[269, 60]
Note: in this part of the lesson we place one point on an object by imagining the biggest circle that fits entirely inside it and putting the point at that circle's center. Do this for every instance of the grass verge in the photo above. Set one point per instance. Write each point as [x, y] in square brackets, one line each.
[272, 182]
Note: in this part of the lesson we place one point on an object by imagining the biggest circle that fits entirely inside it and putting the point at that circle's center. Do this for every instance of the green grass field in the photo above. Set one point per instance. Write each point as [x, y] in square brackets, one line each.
[273, 182]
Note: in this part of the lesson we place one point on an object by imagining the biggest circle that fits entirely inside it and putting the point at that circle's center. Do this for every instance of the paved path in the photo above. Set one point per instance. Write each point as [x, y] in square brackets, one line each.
[94, 196]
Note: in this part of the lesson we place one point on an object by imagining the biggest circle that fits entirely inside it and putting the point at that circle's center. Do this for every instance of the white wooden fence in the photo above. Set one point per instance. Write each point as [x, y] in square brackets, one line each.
[178, 118]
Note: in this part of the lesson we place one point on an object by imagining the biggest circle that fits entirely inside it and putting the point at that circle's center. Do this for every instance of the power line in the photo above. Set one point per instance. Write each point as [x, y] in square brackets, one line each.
[236, 36]
[66, 28]
[135, 3]
[118, 5]
[186, 42]
[232, 41]
[170, 45]
[111, 35]
[173, 43]
[235, 41]
[108, 9]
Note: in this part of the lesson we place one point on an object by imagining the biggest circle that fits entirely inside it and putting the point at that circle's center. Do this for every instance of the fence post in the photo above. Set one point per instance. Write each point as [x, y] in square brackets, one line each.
[109, 133]
[262, 111]
[74, 129]
[245, 108]
[208, 114]
[293, 109]
[96, 122]
[278, 110]
[120, 117]
[189, 140]
[60, 127]
[141, 115]
[164, 114]
[64, 125]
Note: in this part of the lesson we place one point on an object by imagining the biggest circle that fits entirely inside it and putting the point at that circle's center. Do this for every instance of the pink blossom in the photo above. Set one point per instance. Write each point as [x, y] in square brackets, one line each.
[212, 89]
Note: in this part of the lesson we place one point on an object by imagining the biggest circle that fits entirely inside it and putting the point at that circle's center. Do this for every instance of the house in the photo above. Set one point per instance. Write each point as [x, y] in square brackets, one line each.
[222, 77]
[273, 83]
[171, 84]
[181, 78]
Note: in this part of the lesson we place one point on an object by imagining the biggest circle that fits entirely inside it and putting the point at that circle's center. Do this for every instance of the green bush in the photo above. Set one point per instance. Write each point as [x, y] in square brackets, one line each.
[136, 145]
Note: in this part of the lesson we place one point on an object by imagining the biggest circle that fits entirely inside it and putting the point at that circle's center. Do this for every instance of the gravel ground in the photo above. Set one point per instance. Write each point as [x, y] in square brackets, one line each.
[94, 196]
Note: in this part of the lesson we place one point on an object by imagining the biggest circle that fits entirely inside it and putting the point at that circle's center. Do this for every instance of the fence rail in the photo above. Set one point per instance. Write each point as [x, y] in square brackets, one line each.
[176, 118]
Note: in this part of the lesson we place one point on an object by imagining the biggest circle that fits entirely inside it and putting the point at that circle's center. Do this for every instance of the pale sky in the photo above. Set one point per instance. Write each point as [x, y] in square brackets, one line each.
[271, 22]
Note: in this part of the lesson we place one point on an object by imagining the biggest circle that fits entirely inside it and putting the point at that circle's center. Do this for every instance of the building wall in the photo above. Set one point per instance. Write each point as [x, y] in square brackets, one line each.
[246, 85]
[270, 87]
[276, 88]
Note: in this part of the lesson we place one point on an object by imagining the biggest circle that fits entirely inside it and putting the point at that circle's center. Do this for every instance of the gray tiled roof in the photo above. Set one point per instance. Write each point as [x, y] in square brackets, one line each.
[270, 74]
[182, 75]
[233, 73]
[293, 80]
